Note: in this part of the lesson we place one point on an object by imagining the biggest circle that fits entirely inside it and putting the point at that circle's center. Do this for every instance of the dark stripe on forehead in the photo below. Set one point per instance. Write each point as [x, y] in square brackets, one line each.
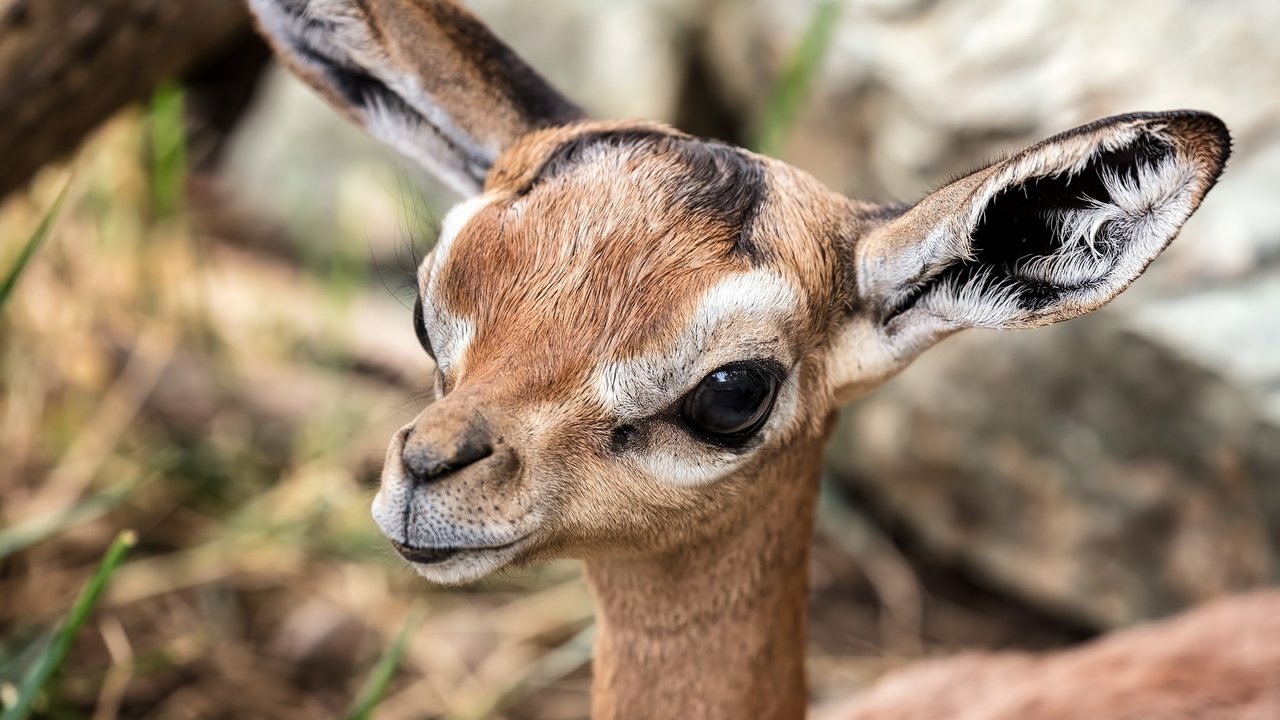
[721, 182]
[728, 184]
[569, 153]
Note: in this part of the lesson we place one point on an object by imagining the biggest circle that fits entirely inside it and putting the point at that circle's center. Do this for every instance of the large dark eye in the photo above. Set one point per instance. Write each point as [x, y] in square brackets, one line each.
[732, 403]
[420, 327]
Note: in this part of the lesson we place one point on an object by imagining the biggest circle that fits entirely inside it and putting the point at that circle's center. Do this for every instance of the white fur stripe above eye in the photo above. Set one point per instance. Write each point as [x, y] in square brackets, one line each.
[742, 317]
[738, 318]
[454, 220]
[450, 333]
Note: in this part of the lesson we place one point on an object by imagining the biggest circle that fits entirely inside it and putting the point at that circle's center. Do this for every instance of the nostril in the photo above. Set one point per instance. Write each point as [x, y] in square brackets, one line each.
[424, 465]
[472, 449]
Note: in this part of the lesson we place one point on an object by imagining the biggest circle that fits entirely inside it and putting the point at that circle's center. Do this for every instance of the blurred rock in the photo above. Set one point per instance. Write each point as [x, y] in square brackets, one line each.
[1099, 469]
[68, 65]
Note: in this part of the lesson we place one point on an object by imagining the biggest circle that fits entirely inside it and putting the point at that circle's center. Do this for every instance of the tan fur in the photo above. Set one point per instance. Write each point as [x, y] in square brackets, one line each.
[711, 629]
[600, 262]
[1218, 661]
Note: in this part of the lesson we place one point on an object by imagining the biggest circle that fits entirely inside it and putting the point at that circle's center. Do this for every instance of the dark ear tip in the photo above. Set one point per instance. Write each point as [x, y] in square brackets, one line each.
[1203, 135]
[1193, 119]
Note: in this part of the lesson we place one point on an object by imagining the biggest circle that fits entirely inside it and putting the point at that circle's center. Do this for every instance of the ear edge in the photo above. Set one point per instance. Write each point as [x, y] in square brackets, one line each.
[1200, 135]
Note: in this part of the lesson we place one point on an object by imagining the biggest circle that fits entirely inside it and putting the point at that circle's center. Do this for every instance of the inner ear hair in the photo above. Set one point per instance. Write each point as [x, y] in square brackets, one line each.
[1053, 234]
[1034, 247]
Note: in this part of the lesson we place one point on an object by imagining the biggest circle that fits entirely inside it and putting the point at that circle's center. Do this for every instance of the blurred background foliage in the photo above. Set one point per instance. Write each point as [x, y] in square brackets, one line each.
[207, 340]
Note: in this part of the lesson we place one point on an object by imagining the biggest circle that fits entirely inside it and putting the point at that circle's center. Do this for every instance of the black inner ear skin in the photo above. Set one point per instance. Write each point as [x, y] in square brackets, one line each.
[1019, 225]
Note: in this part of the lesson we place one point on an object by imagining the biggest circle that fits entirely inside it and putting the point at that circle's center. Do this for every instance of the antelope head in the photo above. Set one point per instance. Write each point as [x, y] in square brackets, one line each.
[641, 336]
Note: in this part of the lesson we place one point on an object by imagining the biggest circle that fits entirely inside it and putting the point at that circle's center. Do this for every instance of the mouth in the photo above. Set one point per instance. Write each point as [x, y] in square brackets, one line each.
[437, 555]
[424, 556]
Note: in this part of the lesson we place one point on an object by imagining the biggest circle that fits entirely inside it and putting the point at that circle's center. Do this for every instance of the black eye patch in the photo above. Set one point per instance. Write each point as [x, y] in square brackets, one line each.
[420, 327]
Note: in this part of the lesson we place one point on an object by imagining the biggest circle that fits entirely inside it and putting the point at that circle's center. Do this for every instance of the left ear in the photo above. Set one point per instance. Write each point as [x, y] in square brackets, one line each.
[1049, 234]
[424, 76]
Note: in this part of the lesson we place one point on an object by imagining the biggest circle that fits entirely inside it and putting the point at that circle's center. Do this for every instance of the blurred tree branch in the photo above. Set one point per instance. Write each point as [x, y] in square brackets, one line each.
[67, 65]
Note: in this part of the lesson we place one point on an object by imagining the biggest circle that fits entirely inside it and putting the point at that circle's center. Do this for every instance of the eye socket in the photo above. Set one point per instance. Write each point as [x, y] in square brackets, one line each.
[732, 403]
[420, 327]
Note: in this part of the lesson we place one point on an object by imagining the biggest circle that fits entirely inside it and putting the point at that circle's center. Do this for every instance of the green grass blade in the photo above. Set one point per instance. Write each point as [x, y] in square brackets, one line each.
[789, 92]
[33, 243]
[168, 150]
[55, 653]
[375, 686]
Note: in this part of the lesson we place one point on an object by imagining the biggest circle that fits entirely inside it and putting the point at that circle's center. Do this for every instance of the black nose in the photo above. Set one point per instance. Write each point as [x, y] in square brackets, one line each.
[426, 461]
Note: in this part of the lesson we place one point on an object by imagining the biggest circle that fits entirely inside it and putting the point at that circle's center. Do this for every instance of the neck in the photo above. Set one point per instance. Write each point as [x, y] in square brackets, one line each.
[715, 629]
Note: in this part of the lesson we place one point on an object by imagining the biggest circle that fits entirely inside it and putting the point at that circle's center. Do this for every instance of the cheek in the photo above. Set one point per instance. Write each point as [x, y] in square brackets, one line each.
[669, 455]
[622, 508]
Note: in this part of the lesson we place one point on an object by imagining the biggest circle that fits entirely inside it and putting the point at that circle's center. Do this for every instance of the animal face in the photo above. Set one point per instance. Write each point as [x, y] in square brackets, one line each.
[625, 323]
[632, 327]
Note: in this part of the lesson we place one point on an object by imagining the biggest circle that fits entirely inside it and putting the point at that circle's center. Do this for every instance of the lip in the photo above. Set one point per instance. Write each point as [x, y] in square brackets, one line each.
[437, 555]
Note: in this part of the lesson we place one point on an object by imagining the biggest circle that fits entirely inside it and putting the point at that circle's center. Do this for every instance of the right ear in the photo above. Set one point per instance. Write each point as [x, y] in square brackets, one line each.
[424, 76]
[1049, 234]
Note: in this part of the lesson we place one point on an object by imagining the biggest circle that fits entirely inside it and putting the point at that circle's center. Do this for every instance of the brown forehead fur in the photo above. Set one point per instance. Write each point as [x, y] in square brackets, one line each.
[604, 260]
